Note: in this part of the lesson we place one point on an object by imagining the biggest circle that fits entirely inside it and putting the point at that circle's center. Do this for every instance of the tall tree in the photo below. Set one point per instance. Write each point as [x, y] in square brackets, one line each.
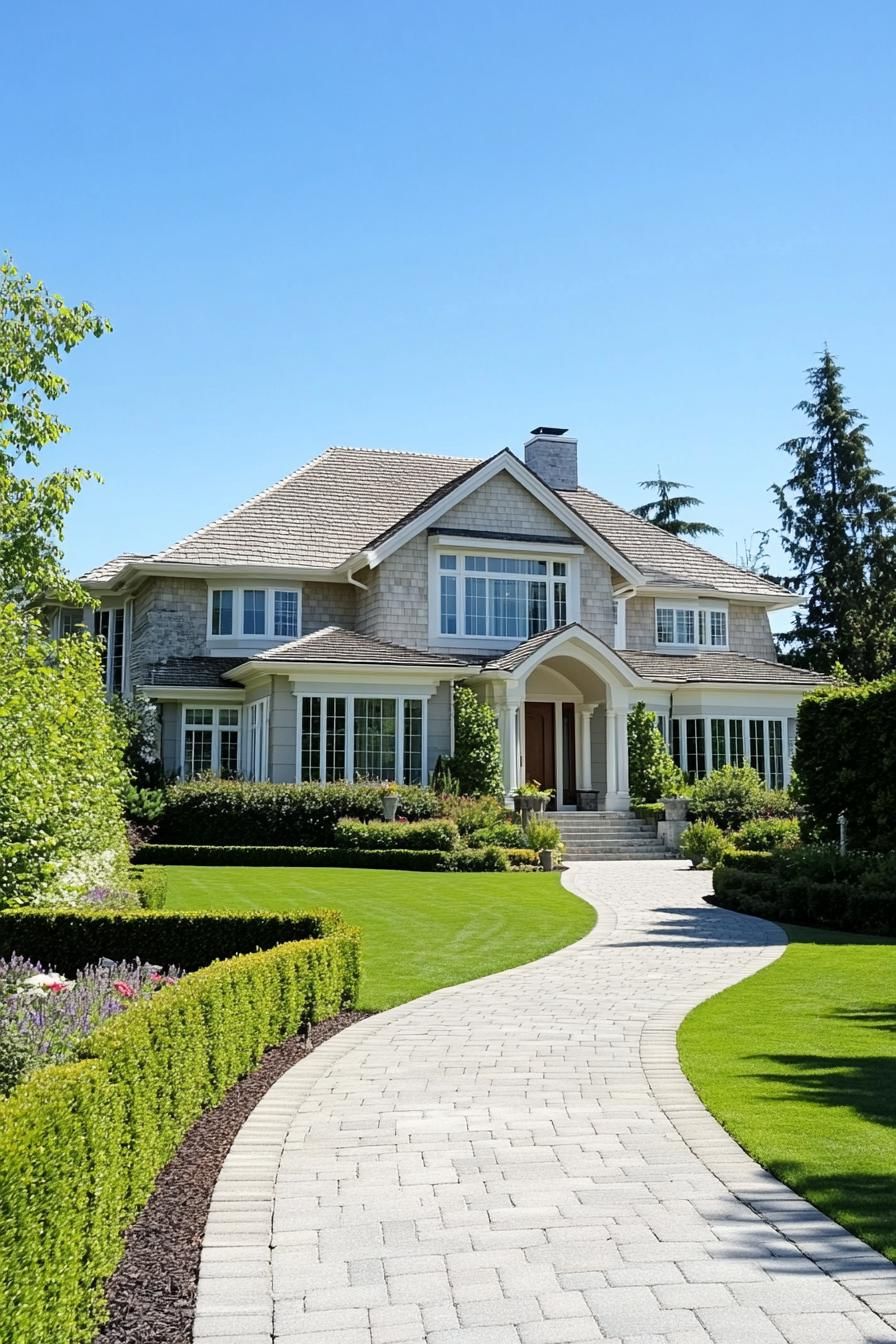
[838, 530]
[665, 511]
[36, 329]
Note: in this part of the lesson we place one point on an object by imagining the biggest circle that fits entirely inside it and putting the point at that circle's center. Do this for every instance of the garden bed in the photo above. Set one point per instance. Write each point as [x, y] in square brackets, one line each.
[152, 1294]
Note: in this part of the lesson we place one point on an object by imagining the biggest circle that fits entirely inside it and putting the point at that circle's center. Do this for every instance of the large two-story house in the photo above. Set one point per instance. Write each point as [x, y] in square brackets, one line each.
[316, 632]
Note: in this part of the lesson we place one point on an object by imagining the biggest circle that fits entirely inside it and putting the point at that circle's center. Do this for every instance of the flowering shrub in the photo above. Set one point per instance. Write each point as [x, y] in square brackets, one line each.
[44, 1017]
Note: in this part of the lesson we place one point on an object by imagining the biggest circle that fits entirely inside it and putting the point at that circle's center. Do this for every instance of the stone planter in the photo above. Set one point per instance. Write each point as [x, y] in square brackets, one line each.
[587, 800]
[676, 809]
[390, 806]
[546, 859]
[673, 827]
[527, 803]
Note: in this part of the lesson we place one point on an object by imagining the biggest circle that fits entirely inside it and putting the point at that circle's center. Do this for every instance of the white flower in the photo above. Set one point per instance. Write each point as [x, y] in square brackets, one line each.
[50, 980]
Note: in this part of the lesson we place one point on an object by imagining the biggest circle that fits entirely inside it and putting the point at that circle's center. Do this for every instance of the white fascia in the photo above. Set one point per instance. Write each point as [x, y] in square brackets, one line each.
[196, 695]
[689, 593]
[352, 672]
[504, 461]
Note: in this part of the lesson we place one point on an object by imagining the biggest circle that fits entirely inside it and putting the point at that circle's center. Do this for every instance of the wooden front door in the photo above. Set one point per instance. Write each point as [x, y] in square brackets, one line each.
[540, 743]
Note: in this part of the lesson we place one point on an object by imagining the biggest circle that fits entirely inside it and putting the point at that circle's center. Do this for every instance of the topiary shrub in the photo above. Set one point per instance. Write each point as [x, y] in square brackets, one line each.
[767, 833]
[704, 843]
[476, 763]
[652, 773]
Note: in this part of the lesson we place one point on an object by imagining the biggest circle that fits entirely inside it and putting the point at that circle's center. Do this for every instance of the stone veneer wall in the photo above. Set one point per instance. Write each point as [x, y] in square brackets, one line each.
[748, 628]
[170, 620]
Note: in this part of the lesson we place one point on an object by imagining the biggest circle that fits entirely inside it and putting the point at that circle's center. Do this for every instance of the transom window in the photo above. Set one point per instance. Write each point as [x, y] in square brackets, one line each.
[502, 596]
[362, 737]
[254, 613]
[211, 740]
[701, 744]
[692, 627]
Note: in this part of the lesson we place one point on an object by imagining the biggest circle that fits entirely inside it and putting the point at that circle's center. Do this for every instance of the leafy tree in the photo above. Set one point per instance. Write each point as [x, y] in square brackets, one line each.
[838, 530]
[652, 773]
[665, 511]
[476, 763]
[36, 329]
[752, 553]
[138, 727]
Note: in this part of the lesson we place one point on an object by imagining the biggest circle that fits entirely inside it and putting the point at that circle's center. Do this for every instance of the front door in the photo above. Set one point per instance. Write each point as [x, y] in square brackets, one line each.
[540, 743]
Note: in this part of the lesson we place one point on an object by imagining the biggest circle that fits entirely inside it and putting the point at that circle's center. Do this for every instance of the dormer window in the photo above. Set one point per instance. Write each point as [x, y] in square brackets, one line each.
[239, 614]
[502, 597]
[691, 627]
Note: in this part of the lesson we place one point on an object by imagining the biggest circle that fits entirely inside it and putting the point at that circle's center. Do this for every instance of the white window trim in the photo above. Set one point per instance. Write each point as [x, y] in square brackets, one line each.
[109, 659]
[697, 609]
[520, 552]
[744, 720]
[255, 763]
[236, 637]
[214, 727]
[350, 697]
[619, 623]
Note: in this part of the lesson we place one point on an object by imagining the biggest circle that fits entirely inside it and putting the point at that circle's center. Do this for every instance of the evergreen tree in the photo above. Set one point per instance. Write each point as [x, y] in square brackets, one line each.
[838, 530]
[665, 511]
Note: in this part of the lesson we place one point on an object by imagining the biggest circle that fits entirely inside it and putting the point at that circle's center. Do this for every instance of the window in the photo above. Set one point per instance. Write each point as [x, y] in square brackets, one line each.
[694, 763]
[735, 741]
[502, 596]
[692, 627]
[211, 740]
[701, 744]
[717, 753]
[254, 613]
[775, 754]
[68, 620]
[619, 623]
[110, 628]
[757, 746]
[362, 737]
[258, 717]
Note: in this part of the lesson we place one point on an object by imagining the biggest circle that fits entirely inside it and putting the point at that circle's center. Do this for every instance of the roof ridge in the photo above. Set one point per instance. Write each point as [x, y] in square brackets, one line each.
[406, 452]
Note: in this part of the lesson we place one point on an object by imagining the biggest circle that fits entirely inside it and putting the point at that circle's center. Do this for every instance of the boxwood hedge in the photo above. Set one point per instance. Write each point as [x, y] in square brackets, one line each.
[814, 886]
[294, 856]
[82, 1144]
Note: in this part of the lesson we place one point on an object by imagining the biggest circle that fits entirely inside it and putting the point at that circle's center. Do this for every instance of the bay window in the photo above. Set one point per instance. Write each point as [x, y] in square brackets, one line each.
[502, 597]
[362, 737]
[701, 743]
[211, 740]
[692, 627]
[254, 613]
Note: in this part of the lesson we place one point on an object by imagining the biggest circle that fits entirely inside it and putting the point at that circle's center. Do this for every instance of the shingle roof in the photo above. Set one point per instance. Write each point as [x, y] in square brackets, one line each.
[510, 661]
[103, 573]
[335, 645]
[717, 667]
[204, 672]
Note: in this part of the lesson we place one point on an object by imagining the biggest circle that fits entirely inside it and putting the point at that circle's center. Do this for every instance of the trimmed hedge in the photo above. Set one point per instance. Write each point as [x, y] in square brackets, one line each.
[286, 856]
[814, 886]
[81, 1144]
[401, 835]
[66, 940]
[232, 812]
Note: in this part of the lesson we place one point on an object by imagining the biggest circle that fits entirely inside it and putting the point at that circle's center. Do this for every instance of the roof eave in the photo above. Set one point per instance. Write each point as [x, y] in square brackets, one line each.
[286, 666]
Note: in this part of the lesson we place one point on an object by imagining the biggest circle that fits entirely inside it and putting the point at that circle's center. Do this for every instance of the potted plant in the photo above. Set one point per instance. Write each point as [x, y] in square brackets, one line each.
[390, 801]
[544, 837]
[531, 797]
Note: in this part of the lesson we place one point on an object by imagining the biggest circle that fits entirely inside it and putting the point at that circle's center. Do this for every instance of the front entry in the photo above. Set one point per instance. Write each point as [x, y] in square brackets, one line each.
[540, 745]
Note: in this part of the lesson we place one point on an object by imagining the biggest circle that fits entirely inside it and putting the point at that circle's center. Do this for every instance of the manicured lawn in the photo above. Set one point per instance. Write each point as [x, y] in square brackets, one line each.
[799, 1064]
[419, 930]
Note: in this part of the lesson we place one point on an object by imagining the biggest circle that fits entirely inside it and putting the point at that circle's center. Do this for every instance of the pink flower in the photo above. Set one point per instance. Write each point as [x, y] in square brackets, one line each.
[125, 990]
[57, 986]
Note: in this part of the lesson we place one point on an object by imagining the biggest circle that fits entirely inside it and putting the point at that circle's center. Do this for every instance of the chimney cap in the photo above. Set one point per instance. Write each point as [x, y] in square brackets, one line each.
[549, 430]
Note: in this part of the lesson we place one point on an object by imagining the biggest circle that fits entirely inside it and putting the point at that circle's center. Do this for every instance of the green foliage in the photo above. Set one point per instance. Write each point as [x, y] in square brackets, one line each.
[845, 760]
[150, 885]
[81, 1144]
[142, 805]
[476, 764]
[813, 886]
[768, 833]
[138, 722]
[231, 812]
[309, 856]
[61, 829]
[522, 860]
[838, 531]
[729, 796]
[36, 330]
[652, 772]
[392, 835]
[506, 834]
[542, 835]
[70, 939]
[473, 814]
[649, 811]
[704, 843]
[491, 859]
[665, 511]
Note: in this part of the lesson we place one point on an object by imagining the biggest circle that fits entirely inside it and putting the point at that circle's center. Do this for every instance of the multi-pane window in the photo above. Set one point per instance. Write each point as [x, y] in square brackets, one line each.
[775, 754]
[254, 613]
[286, 613]
[717, 756]
[68, 621]
[757, 745]
[222, 611]
[502, 597]
[254, 602]
[701, 744]
[692, 627]
[257, 716]
[735, 741]
[211, 740]
[362, 737]
[695, 747]
[111, 632]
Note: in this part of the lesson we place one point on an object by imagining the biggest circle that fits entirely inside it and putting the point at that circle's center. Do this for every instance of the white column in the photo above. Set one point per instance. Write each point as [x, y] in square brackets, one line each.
[617, 757]
[611, 752]
[507, 714]
[585, 713]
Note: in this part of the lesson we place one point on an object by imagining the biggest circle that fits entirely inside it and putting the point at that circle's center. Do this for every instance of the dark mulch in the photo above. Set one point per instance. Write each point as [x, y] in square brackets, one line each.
[152, 1293]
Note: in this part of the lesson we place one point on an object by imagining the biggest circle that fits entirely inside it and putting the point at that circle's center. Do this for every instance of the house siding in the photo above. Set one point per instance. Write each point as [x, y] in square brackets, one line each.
[396, 604]
[749, 631]
[326, 604]
[503, 505]
[596, 596]
[170, 620]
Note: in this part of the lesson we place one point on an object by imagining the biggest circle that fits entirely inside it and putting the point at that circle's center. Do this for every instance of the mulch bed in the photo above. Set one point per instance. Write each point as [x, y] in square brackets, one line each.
[152, 1293]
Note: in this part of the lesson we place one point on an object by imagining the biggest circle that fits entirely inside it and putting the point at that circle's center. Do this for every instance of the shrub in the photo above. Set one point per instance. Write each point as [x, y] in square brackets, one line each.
[81, 1144]
[649, 811]
[652, 772]
[231, 812]
[392, 835]
[476, 763]
[814, 886]
[142, 805]
[488, 860]
[522, 860]
[286, 856]
[543, 835]
[474, 814]
[70, 939]
[767, 833]
[503, 833]
[151, 886]
[728, 796]
[704, 843]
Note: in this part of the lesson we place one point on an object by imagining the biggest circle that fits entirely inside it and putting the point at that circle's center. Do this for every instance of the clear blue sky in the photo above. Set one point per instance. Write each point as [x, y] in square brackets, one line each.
[402, 225]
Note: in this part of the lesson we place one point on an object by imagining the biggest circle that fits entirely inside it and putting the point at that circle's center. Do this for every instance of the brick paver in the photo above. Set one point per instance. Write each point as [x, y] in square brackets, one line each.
[519, 1160]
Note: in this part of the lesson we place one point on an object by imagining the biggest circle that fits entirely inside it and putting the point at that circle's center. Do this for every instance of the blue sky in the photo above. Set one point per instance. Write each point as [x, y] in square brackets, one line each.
[398, 225]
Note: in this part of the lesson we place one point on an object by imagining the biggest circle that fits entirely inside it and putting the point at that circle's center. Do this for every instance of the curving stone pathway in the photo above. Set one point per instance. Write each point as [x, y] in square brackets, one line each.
[519, 1160]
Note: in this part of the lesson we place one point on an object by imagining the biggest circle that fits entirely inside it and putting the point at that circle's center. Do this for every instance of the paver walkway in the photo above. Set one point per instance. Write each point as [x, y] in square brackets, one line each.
[519, 1160]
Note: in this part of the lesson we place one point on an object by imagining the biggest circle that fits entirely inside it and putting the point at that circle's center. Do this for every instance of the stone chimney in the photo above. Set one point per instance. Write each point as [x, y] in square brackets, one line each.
[553, 456]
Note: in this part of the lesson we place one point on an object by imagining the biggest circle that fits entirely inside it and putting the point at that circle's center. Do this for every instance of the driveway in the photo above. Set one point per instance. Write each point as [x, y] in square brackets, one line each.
[519, 1160]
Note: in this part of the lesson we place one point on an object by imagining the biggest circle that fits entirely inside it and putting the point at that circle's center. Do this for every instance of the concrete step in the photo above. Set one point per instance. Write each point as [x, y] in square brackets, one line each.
[620, 857]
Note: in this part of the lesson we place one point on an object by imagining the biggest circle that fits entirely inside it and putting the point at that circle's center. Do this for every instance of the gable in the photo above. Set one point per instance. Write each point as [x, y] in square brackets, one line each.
[502, 504]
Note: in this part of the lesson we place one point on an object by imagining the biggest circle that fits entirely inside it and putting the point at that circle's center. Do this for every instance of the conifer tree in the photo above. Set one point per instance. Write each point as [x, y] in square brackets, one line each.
[665, 511]
[838, 530]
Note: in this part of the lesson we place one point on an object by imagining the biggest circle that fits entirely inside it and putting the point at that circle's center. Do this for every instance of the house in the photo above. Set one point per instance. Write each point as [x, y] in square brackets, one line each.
[316, 631]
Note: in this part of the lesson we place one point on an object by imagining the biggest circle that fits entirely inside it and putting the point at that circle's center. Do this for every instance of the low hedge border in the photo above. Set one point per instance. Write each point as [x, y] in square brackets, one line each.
[364, 836]
[66, 940]
[841, 894]
[487, 859]
[81, 1144]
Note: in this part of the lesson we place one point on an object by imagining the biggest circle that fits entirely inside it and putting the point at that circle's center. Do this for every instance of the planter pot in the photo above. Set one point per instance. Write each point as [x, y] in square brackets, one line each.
[546, 858]
[390, 806]
[528, 803]
[676, 809]
[587, 800]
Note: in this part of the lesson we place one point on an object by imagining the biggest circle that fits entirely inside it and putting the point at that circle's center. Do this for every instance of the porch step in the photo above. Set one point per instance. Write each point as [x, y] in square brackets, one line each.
[607, 836]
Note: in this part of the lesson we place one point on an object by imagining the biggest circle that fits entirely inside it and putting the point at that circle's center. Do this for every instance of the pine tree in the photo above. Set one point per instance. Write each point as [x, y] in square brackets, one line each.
[665, 511]
[838, 530]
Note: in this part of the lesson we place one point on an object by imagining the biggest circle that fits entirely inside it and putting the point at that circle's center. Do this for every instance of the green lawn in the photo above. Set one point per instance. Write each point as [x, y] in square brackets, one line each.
[799, 1064]
[419, 930]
